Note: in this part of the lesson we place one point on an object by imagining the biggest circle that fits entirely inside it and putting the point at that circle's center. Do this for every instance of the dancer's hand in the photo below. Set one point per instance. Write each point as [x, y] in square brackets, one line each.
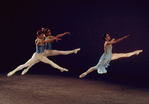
[57, 39]
[67, 33]
[127, 36]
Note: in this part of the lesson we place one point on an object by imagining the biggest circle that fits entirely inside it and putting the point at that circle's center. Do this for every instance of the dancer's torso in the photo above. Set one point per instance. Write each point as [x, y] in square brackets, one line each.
[39, 45]
[108, 49]
[48, 46]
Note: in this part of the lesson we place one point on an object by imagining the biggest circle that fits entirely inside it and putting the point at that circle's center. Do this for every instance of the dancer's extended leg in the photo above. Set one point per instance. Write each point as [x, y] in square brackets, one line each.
[20, 67]
[88, 71]
[46, 60]
[26, 70]
[56, 52]
[122, 55]
[51, 63]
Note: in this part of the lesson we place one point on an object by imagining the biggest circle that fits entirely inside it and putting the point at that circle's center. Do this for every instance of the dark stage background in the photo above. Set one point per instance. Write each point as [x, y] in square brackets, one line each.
[87, 21]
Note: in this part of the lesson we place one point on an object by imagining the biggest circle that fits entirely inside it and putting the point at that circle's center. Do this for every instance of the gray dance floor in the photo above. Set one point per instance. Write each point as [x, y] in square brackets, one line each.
[52, 89]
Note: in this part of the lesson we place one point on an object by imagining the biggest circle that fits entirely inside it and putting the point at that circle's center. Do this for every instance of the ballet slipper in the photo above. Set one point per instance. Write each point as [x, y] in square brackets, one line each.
[62, 70]
[10, 73]
[83, 75]
[24, 71]
[138, 51]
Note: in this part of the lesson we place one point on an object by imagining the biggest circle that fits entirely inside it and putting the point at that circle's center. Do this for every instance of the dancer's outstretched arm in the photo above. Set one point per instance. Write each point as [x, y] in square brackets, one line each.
[60, 35]
[113, 41]
[51, 40]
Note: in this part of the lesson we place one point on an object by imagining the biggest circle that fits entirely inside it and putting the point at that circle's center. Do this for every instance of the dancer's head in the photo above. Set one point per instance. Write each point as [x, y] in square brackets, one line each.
[40, 34]
[47, 32]
[106, 37]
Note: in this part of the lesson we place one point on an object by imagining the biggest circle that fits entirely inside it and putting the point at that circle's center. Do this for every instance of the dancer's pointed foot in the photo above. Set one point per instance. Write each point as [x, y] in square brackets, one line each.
[24, 71]
[62, 70]
[83, 75]
[10, 73]
[76, 50]
[138, 51]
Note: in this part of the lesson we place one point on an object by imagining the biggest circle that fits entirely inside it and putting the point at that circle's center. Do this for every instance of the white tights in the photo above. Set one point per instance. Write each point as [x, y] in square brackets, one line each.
[51, 53]
[56, 52]
[37, 57]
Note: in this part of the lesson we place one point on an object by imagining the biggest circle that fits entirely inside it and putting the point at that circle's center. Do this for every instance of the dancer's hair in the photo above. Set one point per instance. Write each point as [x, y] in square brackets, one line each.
[43, 29]
[46, 30]
[39, 32]
[104, 36]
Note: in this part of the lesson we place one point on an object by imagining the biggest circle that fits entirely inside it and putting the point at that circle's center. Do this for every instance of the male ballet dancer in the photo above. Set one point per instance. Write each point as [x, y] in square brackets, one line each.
[48, 47]
[38, 55]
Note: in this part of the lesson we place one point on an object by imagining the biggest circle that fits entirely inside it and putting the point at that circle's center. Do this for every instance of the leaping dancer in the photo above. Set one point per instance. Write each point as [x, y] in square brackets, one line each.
[48, 47]
[38, 55]
[108, 56]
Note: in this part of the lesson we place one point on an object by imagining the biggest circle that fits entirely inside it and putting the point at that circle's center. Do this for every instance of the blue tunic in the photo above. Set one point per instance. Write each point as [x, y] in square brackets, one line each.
[48, 46]
[39, 45]
[40, 49]
[104, 61]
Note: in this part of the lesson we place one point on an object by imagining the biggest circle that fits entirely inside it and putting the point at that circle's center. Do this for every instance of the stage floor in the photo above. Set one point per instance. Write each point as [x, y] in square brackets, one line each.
[52, 89]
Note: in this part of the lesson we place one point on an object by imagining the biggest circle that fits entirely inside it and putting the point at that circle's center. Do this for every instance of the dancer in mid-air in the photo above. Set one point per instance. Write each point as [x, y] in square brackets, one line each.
[48, 47]
[108, 55]
[38, 55]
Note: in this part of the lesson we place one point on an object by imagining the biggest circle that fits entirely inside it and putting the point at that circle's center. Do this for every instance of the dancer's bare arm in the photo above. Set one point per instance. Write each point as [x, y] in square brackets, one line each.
[113, 41]
[51, 40]
[60, 35]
